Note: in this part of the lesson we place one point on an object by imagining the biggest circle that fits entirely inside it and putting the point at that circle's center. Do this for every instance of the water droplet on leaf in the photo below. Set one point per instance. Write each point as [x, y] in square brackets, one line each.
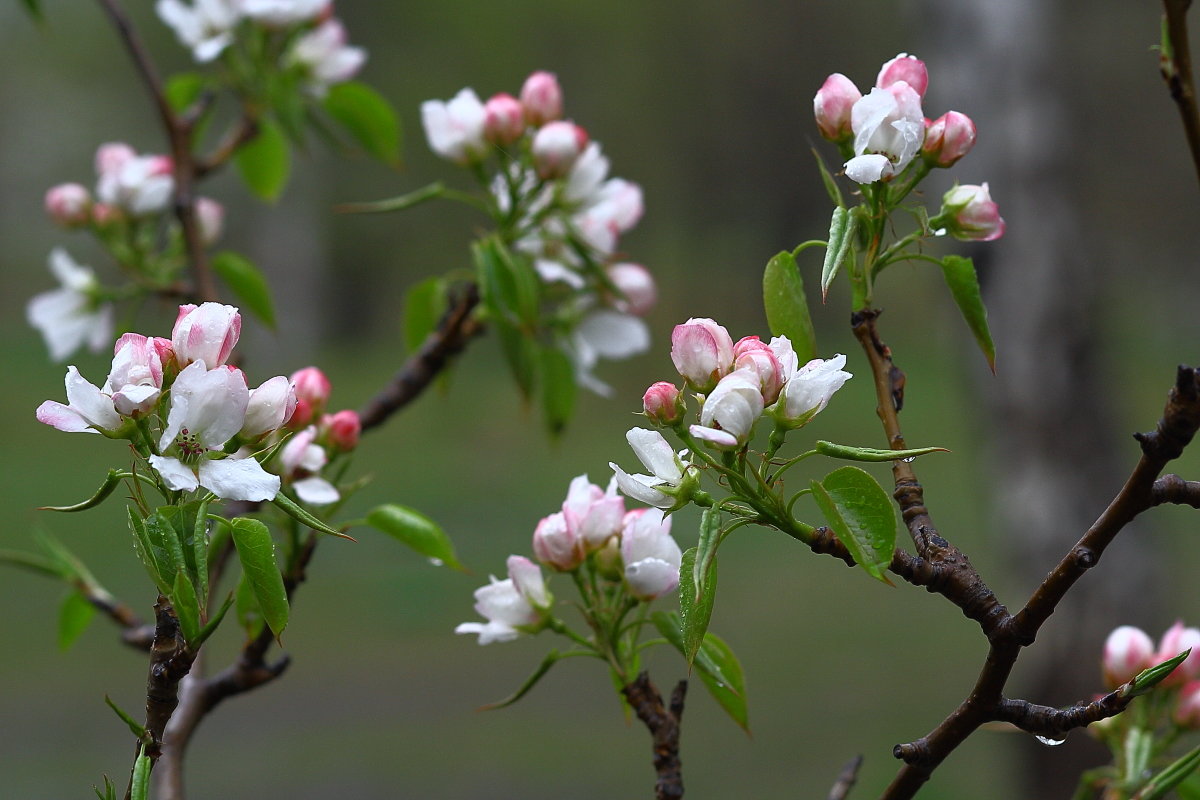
[1046, 740]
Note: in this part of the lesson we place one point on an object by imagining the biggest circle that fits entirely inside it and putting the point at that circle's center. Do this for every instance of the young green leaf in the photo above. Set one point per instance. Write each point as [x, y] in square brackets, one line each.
[187, 607]
[1171, 776]
[110, 790]
[558, 389]
[1147, 679]
[139, 784]
[45, 565]
[249, 615]
[265, 161]
[1138, 747]
[521, 355]
[668, 624]
[184, 88]
[111, 481]
[247, 283]
[256, 551]
[416, 530]
[727, 683]
[368, 117]
[135, 727]
[549, 661]
[695, 607]
[215, 620]
[787, 306]
[849, 453]
[842, 228]
[860, 513]
[73, 617]
[424, 305]
[166, 542]
[289, 506]
[706, 549]
[200, 551]
[960, 276]
[831, 187]
[147, 553]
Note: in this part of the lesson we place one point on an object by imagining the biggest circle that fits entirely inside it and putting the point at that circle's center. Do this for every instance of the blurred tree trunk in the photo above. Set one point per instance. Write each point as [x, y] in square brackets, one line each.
[1052, 441]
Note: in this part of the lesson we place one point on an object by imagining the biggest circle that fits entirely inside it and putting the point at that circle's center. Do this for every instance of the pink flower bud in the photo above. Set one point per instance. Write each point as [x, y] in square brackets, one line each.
[556, 544]
[1174, 642]
[702, 351]
[528, 581]
[270, 406]
[105, 215]
[69, 204]
[343, 429]
[541, 98]
[948, 138]
[1127, 651]
[728, 415]
[663, 403]
[555, 147]
[210, 215]
[205, 333]
[832, 104]
[636, 285]
[904, 67]
[809, 390]
[651, 556]
[112, 156]
[752, 354]
[972, 214]
[312, 387]
[1187, 707]
[593, 514]
[503, 119]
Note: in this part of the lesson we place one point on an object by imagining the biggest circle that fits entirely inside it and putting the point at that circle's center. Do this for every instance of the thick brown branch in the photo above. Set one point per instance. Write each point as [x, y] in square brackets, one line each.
[1176, 68]
[1174, 489]
[663, 723]
[457, 327]
[846, 779]
[1055, 723]
[170, 661]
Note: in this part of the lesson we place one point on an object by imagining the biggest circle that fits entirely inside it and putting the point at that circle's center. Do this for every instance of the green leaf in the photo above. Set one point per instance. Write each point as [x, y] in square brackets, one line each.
[706, 549]
[110, 790]
[368, 117]
[842, 228]
[288, 506]
[135, 727]
[249, 615]
[211, 625]
[559, 389]
[1136, 752]
[256, 551]
[139, 784]
[247, 283]
[424, 305]
[521, 355]
[146, 551]
[73, 617]
[265, 161]
[111, 481]
[416, 530]
[960, 276]
[165, 542]
[849, 453]
[1147, 679]
[787, 307]
[727, 683]
[200, 551]
[36, 563]
[669, 625]
[187, 607]
[1171, 776]
[695, 608]
[860, 513]
[549, 661]
[183, 89]
[831, 187]
[508, 285]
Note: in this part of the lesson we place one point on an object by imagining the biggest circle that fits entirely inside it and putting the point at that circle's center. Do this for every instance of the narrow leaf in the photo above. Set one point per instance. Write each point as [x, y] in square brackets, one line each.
[265, 161]
[74, 615]
[668, 624]
[727, 684]
[146, 551]
[559, 389]
[424, 305]
[165, 542]
[288, 506]
[368, 117]
[1139, 743]
[249, 615]
[111, 481]
[960, 276]
[521, 355]
[411, 527]
[1147, 679]
[35, 563]
[860, 513]
[215, 620]
[695, 608]
[831, 187]
[256, 551]
[786, 305]
[849, 453]
[706, 548]
[135, 727]
[247, 283]
[1171, 776]
[110, 790]
[200, 552]
[842, 227]
[551, 658]
[187, 607]
[139, 785]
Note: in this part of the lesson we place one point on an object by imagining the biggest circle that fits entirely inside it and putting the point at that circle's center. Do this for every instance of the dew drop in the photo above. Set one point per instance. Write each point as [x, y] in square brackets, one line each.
[909, 460]
[437, 562]
[1046, 740]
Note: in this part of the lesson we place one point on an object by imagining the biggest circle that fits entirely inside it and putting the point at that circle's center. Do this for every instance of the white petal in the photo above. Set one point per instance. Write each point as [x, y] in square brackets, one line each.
[655, 453]
[64, 418]
[651, 578]
[612, 334]
[238, 479]
[316, 491]
[868, 168]
[639, 488]
[92, 404]
[175, 474]
[722, 439]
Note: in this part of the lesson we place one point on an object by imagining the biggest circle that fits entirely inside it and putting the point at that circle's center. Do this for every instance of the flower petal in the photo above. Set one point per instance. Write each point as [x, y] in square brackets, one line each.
[637, 487]
[238, 479]
[175, 474]
[316, 491]
[64, 418]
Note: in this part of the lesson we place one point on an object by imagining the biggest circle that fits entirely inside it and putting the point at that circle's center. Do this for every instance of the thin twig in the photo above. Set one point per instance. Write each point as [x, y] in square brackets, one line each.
[245, 130]
[1176, 68]
[846, 779]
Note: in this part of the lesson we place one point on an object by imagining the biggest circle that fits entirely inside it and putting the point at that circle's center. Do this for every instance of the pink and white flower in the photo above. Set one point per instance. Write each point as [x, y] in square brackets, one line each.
[302, 459]
[665, 465]
[663, 403]
[592, 513]
[207, 333]
[638, 294]
[542, 98]
[342, 429]
[88, 409]
[138, 185]
[651, 556]
[751, 353]
[556, 146]
[71, 316]
[948, 138]
[136, 378]
[455, 129]
[326, 57]
[889, 128]
[511, 606]
[557, 544]
[1175, 641]
[702, 351]
[970, 214]
[832, 104]
[728, 415]
[208, 407]
[69, 204]
[504, 119]
[210, 216]
[904, 67]
[270, 406]
[206, 26]
[605, 333]
[809, 390]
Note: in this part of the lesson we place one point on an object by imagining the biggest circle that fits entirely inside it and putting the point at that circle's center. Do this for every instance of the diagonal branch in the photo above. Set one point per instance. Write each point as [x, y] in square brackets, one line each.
[1176, 68]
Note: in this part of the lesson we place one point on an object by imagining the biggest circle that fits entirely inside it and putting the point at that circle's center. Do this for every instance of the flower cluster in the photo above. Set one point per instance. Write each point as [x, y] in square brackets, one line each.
[631, 553]
[549, 188]
[885, 134]
[192, 416]
[320, 438]
[319, 52]
[1130, 650]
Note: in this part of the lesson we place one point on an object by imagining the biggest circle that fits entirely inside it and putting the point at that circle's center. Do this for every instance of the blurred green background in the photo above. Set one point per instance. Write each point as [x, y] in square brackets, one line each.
[707, 106]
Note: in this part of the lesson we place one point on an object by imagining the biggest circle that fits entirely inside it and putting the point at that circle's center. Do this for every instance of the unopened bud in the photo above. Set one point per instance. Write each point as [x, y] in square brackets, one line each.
[969, 213]
[1127, 651]
[636, 285]
[210, 215]
[832, 104]
[556, 145]
[702, 351]
[904, 67]
[948, 138]
[541, 98]
[663, 404]
[556, 544]
[1174, 642]
[69, 204]
[343, 429]
[503, 120]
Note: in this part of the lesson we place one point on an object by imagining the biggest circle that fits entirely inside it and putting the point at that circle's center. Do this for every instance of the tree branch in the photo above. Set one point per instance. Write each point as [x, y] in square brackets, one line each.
[846, 779]
[1175, 64]
[1174, 489]
[663, 724]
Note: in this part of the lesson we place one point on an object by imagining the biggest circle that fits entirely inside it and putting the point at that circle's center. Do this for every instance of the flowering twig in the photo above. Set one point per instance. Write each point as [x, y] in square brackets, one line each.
[1176, 68]
[663, 722]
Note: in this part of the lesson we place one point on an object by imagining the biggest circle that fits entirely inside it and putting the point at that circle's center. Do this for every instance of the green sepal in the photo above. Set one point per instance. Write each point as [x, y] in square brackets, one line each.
[256, 552]
[111, 481]
[1171, 776]
[135, 727]
[843, 226]
[786, 305]
[848, 453]
[860, 513]
[247, 283]
[139, 784]
[419, 532]
[549, 661]
[187, 607]
[74, 616]
[558, 388]
[960, 277]
[265, 161]
[368, 117]
[695, 604]
[424, 305]
[289, 506]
